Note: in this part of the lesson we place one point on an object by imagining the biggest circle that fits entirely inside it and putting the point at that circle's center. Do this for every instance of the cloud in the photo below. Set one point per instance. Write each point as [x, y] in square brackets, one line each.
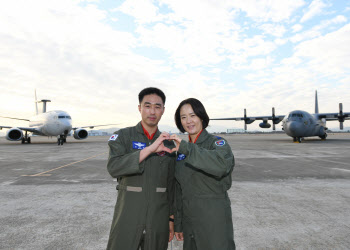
[317, 30]
[315, 8]
[272, 29]
[228, 54]
[297, 27]
[263, 11]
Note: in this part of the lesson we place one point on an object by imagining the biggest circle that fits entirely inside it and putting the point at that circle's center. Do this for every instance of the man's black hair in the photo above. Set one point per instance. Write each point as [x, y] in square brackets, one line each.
[198, 109]
[150, 91]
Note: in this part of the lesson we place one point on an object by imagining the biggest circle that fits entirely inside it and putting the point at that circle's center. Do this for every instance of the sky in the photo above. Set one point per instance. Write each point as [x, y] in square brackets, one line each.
[91, 58]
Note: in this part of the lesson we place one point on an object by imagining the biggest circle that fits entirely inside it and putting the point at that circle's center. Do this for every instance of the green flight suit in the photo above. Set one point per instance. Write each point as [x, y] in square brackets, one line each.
[145, 192]
[202, 206]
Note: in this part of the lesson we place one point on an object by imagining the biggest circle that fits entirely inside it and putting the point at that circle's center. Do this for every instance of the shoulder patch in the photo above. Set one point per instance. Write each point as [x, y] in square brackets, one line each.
[113, 137]
[220, 143]
[181, 157]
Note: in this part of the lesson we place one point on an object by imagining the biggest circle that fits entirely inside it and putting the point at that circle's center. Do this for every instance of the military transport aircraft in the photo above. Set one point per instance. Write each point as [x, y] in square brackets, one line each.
[297, 124]
[52, 123]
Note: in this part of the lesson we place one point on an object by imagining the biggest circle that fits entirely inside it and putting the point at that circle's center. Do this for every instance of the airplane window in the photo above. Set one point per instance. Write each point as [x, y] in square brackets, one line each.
[68, 117]
[61, 116]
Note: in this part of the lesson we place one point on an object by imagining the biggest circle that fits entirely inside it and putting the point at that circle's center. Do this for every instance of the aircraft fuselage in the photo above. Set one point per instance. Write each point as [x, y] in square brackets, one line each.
[300, 123]
[52, 123]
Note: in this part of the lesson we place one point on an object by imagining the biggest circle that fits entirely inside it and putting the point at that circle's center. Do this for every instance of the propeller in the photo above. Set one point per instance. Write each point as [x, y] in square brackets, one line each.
[245, 119]
[341, 116]
[273, 119]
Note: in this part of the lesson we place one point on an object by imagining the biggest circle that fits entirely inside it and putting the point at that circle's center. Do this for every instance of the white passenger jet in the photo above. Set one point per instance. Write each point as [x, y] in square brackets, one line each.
[298, 123]
[52, 123]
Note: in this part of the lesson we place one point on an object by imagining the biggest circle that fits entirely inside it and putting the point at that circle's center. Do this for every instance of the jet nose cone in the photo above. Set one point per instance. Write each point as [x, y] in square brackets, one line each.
[67, 125]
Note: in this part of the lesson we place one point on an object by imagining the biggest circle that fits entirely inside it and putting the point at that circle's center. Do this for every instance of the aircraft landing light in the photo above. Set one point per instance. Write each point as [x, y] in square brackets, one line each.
[44, 173]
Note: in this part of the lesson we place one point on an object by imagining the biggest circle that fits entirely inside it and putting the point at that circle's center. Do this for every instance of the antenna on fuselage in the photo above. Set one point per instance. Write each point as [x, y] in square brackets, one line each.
[316, 103]
[44, 104]
[44, 101]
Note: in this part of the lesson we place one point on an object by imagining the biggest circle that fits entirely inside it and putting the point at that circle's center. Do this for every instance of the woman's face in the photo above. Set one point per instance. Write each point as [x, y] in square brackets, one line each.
[190, 121]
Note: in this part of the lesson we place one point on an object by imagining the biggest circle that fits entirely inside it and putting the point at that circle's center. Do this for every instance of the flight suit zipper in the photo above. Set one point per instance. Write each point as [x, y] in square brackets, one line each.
[147, 194]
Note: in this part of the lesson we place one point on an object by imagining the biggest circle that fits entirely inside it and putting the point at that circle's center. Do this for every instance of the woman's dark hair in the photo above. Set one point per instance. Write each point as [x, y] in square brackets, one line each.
[198, 109]
[150, 91]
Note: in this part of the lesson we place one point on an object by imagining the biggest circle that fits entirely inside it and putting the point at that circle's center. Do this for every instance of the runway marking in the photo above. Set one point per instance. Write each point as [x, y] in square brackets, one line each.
[341, 169]
[44, 173]
[337, 162]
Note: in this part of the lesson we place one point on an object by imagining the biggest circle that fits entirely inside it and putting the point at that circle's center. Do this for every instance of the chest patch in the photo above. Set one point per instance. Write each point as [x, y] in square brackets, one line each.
[220, 143]
[113, 137]
[138, 145]
[181, 157]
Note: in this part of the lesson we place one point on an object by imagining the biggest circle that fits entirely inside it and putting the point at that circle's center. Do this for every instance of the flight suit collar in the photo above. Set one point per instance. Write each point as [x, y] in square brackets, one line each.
[139, 129]
[203, 136]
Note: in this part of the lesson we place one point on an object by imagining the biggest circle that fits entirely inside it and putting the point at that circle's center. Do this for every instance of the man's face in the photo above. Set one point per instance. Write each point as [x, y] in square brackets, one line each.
[151, 109]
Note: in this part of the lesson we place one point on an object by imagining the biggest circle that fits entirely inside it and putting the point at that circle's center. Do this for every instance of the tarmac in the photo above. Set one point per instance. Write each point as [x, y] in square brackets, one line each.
[284, 195]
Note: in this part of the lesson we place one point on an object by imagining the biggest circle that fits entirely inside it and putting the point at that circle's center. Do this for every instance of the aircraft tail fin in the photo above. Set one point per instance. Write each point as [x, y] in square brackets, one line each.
[316, 103]
[36, 103]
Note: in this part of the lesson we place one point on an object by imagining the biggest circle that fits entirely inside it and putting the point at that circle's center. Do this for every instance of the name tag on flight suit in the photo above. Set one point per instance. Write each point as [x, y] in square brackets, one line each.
[138, 145]
[181, 157]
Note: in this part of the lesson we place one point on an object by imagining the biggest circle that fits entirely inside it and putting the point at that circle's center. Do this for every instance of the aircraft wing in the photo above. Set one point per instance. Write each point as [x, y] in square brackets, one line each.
[92, 126]
[32, 130]
[21, 119]
[334, 116]
[250, 119]
[1, 127]
[253, 118]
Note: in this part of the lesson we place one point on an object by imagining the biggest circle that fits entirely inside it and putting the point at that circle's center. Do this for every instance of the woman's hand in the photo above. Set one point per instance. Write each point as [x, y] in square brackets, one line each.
[158, 145]
[179, 236]
[177, 141]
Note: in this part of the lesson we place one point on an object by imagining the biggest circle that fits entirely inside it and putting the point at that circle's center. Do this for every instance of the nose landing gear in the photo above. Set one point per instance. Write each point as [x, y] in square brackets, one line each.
[323, 137]
[297, 139]
[61, 139]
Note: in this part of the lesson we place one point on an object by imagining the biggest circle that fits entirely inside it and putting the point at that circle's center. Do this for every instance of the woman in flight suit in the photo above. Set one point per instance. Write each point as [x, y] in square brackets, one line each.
[203, 218]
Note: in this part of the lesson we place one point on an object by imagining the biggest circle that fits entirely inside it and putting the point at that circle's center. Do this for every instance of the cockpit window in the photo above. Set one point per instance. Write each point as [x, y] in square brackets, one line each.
[296, 115]
[63, 116]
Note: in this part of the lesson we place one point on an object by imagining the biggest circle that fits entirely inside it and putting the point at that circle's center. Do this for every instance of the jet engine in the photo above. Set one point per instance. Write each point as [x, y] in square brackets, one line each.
[80, 134]
[264, 125]
[14, 134]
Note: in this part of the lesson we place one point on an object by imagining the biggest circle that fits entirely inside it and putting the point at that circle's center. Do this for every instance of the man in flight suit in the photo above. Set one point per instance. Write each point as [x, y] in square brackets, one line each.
[144, 167]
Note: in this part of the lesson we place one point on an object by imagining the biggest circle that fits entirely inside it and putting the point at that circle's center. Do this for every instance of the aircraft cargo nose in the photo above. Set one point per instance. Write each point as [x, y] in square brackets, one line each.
[294, 127]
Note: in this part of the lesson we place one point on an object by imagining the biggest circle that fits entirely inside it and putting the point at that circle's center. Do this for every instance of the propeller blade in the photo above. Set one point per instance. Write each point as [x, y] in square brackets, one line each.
[273, 119]
[340, 109]
[245, 119]
[341, 125]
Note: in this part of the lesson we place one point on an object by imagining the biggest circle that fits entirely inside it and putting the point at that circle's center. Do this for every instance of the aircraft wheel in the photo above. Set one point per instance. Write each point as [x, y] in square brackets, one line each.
[294, 139]
[323, 137]
[299, 139]
[23, 140]
[58, 141]
[28, 140]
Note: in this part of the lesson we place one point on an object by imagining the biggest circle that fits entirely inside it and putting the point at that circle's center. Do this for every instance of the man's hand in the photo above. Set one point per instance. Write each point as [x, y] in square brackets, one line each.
[171, 229]
[155, 147]
[179, 236]
[158, 145]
